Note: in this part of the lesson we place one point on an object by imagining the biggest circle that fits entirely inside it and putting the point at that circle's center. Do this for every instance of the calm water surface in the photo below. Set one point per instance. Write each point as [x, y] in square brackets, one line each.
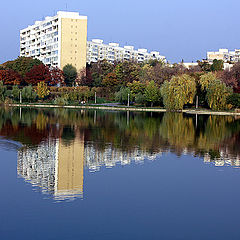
[69, 174]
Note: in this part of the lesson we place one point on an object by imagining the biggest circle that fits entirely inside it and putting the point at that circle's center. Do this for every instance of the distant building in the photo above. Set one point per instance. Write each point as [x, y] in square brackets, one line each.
[225, 55]
[189, 65]
[97, 50]
[57, 40]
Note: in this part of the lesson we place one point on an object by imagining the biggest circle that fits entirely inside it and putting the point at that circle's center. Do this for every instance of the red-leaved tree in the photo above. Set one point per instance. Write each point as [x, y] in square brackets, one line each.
[57, 77]
[85, 78]
[38, 74]
[10, 77]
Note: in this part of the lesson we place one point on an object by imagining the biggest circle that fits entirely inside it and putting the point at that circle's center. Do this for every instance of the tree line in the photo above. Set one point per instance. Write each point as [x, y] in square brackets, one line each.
[152, 83]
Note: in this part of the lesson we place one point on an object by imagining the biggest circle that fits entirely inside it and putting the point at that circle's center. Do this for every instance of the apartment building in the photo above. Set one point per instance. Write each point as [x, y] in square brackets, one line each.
[98, 50]
[57, 40]
[225, 55]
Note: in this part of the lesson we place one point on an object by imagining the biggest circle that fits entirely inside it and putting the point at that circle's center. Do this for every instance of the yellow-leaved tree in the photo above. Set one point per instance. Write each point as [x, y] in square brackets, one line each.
[179, 91]
[42, 90]
[216, 91]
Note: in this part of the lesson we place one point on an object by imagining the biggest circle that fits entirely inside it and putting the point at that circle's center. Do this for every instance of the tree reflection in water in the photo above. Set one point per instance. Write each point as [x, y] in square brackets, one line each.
[58, 144]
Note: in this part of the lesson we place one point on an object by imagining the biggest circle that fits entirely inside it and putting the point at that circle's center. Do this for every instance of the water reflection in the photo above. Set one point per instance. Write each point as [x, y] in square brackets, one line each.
[55, 167]
[57, 145]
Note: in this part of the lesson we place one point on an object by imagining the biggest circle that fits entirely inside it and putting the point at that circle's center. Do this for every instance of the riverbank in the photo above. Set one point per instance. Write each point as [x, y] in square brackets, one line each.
[124, 108]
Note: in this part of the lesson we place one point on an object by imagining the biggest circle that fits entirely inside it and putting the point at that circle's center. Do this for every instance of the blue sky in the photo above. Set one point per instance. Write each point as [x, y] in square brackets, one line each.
[179, 29]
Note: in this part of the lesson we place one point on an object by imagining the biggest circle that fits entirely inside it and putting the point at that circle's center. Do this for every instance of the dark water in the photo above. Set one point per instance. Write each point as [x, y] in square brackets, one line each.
[69, 174]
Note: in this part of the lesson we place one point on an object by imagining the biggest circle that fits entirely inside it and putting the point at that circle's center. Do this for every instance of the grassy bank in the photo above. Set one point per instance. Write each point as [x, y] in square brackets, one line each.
[125, 108]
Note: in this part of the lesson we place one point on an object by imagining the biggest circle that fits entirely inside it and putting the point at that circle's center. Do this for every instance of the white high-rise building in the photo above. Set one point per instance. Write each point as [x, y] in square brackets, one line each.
[97, 50]
[57, 40]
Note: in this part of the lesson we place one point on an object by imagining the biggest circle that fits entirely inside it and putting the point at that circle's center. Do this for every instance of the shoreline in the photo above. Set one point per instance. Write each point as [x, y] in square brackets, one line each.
[132, 109]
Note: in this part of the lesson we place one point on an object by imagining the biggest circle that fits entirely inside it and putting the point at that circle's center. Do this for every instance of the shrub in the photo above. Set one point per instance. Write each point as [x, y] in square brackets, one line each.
[61, 101]
[28, 94]
[42, 90]
[8, 101]
[234, 100]
[140, 98]
[3, 90]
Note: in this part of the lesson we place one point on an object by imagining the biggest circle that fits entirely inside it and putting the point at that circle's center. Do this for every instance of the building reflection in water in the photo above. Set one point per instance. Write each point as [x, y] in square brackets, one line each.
[55, 167]
[58, 169]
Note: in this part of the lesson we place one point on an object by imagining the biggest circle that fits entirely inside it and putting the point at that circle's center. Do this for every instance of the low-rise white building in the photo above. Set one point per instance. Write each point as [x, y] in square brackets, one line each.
[97, 50]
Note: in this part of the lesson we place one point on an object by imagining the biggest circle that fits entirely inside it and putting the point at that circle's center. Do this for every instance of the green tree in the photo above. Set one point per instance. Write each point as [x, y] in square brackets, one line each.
[122, 95]
[205, 66]
[3, 90]
[136, 87]
[140, 98]
[152, 93]
[217, 94]
[15, 92]
[70, 74]
[217, 65]
[179, 91]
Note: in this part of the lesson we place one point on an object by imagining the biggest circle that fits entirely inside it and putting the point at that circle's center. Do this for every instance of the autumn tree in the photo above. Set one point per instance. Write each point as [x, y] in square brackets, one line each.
[22, 65]
[204, 65]
[179, 91]
[235, 73]
[39, 73]
[127, 72]
[161, 73]
[99, 70]
[146, 73]
[136, 87]
[56, 77]
[10, 77]
[217, 94]
[111, 82]
[206, 79]
[42, 90]
[85, 77]
[229, 78]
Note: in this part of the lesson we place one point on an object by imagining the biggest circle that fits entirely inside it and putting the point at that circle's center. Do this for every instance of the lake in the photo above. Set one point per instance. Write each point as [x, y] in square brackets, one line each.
[76, 174]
